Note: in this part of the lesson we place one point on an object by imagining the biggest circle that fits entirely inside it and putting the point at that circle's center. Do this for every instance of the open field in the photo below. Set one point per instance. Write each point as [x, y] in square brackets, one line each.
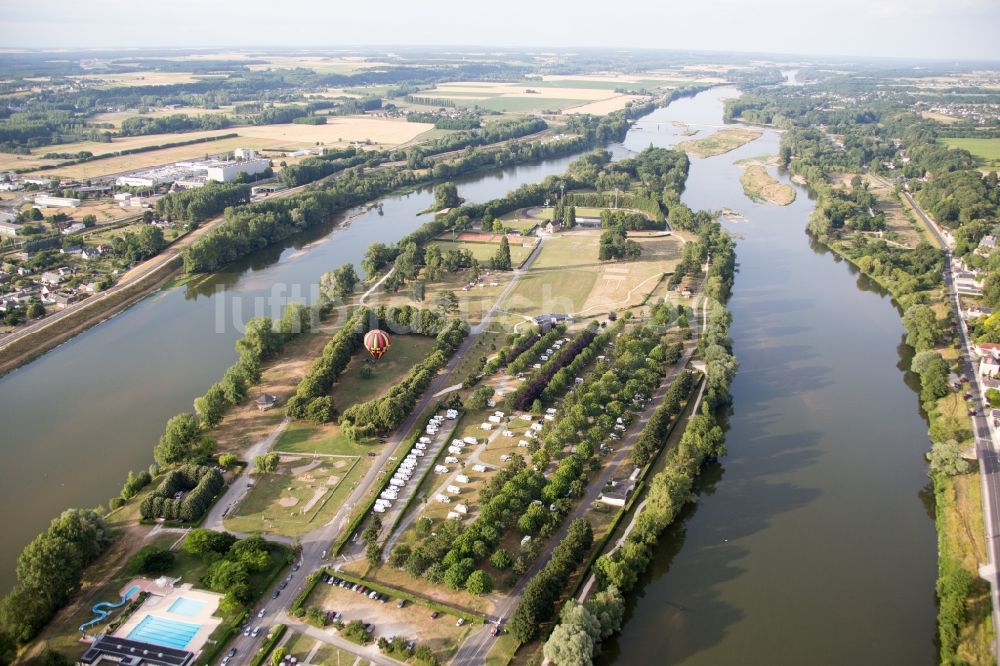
[301, 496]
[898, 219]
[759, 185]
[245, 424]
[986, 151]
[405, 352]
[567, 276]
[129, 79]
[720, 142]
[604, 106]
[484, 251]
[116, 117]
[339, 130]
[499, 96]
[325, 439]
[411, 622]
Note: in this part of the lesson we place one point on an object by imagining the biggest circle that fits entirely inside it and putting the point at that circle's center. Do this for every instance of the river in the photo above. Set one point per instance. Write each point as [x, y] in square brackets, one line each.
[78, 418]
[811, 542]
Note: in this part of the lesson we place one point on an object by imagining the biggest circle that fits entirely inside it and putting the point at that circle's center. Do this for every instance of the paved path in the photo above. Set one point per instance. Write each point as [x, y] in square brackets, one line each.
[986, 437]
[370, 653]
[238, 488]
[585, 592]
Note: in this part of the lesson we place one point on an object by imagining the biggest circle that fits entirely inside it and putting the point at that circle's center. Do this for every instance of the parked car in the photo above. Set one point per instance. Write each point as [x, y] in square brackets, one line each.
[274, 595]
[256, 631]
[435, 615]
[232, 652]
[262, 613]
[460, 622]
[401, 604]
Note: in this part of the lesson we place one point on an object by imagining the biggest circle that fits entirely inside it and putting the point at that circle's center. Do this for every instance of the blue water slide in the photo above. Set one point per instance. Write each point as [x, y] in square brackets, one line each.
[103, 608]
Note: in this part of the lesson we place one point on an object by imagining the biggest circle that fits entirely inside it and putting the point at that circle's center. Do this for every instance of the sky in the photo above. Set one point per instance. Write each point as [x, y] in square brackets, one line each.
[934, 29]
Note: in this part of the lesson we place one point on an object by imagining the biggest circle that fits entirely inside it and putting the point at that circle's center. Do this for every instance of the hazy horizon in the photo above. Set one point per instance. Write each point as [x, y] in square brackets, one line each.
[907, 29]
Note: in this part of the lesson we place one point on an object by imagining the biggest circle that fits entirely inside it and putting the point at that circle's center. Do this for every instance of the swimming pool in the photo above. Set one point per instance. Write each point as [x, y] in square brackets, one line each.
[185, 606]
[168, 633]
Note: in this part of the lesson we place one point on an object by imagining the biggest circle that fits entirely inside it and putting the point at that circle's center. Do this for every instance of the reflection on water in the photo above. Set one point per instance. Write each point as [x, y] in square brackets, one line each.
[815, 547]
[78, 418]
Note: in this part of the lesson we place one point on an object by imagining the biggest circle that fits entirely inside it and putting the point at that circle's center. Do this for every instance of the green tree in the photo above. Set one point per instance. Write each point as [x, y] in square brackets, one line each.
[447, 303]
[251, 552]
[266, 463]
[35, 309]
[946, 459]
[922, 329]
[501, 260]
[151, 559]
[446, 196]
[178, 443]
[570, 644]
[479, 583]
[229, 577]
[227, 460]
[501, 559]
[203, 543]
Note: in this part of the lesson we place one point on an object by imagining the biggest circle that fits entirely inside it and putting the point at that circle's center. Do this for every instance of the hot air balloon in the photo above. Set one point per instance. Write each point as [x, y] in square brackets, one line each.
[377, 343]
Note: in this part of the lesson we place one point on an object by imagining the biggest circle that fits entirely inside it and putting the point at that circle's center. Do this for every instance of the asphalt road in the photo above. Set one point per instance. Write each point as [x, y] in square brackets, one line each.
[987, 439]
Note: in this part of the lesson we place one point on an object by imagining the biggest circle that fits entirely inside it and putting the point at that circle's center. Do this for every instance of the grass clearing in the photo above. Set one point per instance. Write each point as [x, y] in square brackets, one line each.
[405, 352]
[759, 185]
[484, 251]
[986, 151]
[960, 524]
[720, 142]
[299, 497]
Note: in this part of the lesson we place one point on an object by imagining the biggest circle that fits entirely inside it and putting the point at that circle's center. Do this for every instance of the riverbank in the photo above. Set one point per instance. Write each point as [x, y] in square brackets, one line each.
[965, 624]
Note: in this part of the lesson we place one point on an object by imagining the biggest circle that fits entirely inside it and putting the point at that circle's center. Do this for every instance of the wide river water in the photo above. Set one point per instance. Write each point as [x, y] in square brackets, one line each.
[810, 542]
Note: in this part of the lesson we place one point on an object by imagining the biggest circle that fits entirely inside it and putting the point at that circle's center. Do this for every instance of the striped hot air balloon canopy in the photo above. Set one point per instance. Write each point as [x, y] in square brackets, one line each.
[377, 342]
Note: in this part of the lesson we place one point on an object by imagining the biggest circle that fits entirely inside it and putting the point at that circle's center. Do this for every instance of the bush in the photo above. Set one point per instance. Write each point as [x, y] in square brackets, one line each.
[203, 484]
[150, 559]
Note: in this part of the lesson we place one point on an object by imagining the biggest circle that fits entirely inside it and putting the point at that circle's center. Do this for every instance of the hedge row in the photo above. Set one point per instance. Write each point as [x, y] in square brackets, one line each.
[529, 391]
[204, 484]
[521, 362]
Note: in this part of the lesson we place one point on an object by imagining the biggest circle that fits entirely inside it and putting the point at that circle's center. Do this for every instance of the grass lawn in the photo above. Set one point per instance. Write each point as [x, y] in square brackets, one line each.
[561, 278]
[300, 645]
[485, 251]
[986, 151]
[960, 535]
[302, 437]
[406, 351]
[502, 651]
[301, 495]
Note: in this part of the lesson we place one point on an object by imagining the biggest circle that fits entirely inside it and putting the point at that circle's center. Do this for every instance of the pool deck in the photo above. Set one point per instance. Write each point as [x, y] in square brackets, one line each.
[159, 604]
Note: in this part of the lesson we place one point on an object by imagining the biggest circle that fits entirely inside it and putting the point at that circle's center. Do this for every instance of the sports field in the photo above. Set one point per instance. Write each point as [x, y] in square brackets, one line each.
[304, 493]
[568, 277]
[483, 251]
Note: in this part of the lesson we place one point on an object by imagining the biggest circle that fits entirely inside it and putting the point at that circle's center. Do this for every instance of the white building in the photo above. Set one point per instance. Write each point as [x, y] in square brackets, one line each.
[46, 200]
[226, 172]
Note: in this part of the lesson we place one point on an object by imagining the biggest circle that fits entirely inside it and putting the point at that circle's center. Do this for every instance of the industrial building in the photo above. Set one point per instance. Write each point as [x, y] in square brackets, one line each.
[196, 173]
[45, 201]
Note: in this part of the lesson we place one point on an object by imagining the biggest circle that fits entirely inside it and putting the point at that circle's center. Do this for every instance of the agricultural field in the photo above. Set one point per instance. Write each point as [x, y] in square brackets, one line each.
[131, 79]
[291, 136]
[515, 97]
[303, 494]
[605, 106]
[117, 117]
[986, 151]
[720, 142]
